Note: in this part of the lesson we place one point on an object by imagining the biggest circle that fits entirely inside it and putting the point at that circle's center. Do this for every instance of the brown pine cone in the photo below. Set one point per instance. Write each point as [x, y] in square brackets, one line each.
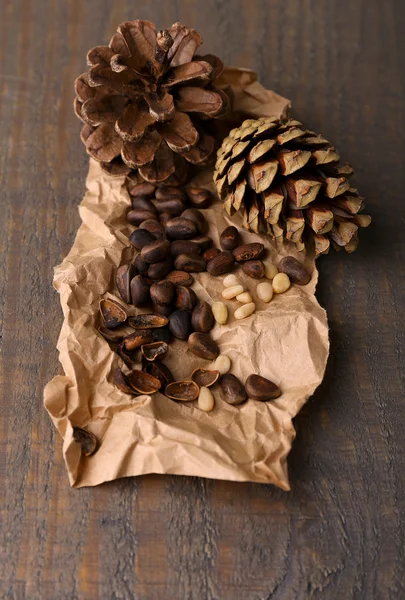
[147, 100]
[288, 182]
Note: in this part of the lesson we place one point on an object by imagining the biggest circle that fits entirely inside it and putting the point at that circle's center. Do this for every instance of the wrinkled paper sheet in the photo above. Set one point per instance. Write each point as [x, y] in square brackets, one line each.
[285, 340]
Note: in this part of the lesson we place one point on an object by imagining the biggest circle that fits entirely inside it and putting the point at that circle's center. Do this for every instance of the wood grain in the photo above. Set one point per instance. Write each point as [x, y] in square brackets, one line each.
[340, 532]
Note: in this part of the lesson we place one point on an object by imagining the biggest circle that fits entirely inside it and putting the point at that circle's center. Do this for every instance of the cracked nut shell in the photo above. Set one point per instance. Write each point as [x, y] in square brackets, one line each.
[144, 383]
[112, 312]
[86, 439]
[183, 391]
[204, 377]
[154, 351]
[148, 321]
[161, 372]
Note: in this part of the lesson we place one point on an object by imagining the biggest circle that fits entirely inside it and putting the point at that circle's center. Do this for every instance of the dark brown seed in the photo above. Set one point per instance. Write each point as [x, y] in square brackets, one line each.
[141, 189]
[148, 321]
[260, 388]
[162, 334]
[162, 292]
[202, 318]
[142, 203]
[86, 439]
[204, 377]
[194, 215]
[210, 254]
[183, 391]
[163, 309]
[180, 324]
[191, 263]
[144, 383]
[154, 227]
[180, 229]
[173, 206]
[220, 264]
[160, 269]
[156, 251]
[199, 197]
[167, 192]
[161, 372]
[136, 339]
[203, 242]
[123, 277]
[137, 215]
[139, 291]
[186, 298]
[180, 278]
[140, 238]
[154, 351]
[112, 313]
[164, 217]
[254, 268]
[294, 269]
[122, 381]
[232, 389]
[141, 265]
[248, 252]
[229, 238]
[112, 335]
[203, 346]
[184, 247]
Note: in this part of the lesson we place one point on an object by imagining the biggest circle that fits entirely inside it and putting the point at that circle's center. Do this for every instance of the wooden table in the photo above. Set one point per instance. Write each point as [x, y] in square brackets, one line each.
[340, 533]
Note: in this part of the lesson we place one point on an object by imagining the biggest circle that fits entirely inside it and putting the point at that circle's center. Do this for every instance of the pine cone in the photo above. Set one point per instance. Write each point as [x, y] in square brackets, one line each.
[288, 182]
[147, 101]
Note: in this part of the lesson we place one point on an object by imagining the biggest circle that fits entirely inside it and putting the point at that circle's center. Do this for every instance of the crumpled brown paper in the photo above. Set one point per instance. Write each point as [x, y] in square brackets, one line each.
[286, 341]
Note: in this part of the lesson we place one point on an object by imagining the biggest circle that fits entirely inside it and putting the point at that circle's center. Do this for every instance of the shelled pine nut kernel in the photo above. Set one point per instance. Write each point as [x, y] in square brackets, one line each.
[232, 292]
[244, 311]
[244, 297]
[270, 270]
[222, 364]
[220, 312]
[281, 283]
[264, 291]
[231, 280]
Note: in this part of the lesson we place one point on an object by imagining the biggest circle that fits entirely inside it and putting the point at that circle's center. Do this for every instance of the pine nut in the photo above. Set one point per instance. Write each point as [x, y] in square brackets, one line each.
[264, 291]
[231, 280]
[220, 312]
[232, 292]
[244, 298]
[244, 311]
[270, 270]
[222, 364]
[206, 400]
[281, 283]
